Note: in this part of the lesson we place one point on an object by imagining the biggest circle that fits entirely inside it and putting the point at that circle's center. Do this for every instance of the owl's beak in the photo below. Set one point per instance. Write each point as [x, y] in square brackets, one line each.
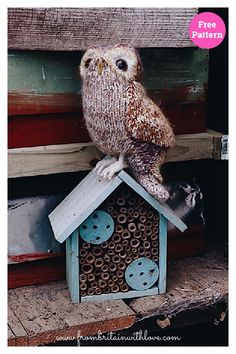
[100, 66]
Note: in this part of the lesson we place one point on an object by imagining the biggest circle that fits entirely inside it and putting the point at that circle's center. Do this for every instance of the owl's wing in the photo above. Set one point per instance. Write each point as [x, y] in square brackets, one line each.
[145, 120]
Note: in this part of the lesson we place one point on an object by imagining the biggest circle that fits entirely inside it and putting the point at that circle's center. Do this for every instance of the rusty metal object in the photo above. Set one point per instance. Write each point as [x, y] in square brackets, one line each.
[90, 258]
[115, 288]
[91, 277]
[134, 242]
[132, 227]
[99, 262]
[105, 275]
[83, 286]
[124, 287]
[87, 268]
[119, 248]
[97, 251]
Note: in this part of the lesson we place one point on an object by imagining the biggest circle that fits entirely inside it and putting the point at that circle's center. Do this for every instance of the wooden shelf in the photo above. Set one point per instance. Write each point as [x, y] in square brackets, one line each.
[80, 28]
[43, 160]
[44, 313]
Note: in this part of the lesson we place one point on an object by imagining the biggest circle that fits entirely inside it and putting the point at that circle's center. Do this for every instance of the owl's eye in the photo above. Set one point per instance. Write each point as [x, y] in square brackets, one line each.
[87, 63]
[121, 64]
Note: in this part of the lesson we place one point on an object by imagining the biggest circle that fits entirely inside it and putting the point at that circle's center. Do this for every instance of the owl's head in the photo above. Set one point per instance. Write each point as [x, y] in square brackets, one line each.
[122, 60]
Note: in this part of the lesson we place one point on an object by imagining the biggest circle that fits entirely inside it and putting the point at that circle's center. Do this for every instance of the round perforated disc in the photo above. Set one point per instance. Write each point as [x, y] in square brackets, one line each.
[141, 274]
[97, 228]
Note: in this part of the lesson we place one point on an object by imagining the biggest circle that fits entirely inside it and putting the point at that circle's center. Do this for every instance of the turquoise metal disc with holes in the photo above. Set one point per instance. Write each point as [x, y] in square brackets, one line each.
[97, 228]
[141, 274]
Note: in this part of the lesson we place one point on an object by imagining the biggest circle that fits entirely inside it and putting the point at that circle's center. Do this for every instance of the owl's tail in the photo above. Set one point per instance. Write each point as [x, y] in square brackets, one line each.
[155, 188]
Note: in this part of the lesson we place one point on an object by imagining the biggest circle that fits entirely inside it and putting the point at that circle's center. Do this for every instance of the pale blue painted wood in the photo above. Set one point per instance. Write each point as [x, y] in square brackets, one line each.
[80, 203]
[72, 266]
[163, 208]
[162, 254]
[120, 295]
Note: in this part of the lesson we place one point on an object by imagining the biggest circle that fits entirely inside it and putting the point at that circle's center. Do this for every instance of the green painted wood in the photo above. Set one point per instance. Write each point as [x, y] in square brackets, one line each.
[72, 266]
[162, 254]
[121, 295]
[162, 208]
[38, 72]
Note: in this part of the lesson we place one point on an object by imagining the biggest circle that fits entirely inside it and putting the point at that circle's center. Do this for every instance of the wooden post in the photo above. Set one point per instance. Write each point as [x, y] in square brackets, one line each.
[72, 265]
[162, 254]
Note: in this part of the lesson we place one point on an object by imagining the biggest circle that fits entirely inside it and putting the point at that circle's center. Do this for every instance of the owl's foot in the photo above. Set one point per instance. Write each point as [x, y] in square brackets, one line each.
[101, 165]
[113, 168]
[156, 189]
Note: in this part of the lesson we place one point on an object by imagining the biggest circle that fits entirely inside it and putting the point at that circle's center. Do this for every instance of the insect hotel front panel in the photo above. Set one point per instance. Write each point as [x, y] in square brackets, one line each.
[119, 249]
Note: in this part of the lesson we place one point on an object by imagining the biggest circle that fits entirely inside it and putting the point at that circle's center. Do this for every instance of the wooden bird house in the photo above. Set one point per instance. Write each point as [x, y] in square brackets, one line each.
[116, 239]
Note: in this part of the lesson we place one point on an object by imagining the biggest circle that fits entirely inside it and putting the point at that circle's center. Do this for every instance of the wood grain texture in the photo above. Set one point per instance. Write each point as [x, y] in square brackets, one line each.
[163, 254]
[79, 28]
[48, 315]
[72, 266]
[193, 283]
[50, 159]
[67, 128]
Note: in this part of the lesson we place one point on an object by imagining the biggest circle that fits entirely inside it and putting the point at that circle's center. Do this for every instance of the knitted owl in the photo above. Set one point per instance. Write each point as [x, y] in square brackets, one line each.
[121, 119]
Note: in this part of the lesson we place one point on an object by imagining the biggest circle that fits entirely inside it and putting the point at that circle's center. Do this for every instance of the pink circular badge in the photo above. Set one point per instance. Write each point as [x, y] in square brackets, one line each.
[207, 30]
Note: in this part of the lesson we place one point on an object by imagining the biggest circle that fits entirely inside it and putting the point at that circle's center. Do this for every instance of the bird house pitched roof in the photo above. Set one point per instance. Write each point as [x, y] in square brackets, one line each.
[89, 194]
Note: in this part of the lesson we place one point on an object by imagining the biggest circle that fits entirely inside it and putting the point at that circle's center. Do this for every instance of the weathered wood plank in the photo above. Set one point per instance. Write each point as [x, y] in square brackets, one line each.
[68, 128]
[72, 266]
[193, 283]
[42, 160]
[50, 159]
[11, 337]
[163, 254]
[48, 314]
[79, 28]
[17, 328]
[40, 82]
